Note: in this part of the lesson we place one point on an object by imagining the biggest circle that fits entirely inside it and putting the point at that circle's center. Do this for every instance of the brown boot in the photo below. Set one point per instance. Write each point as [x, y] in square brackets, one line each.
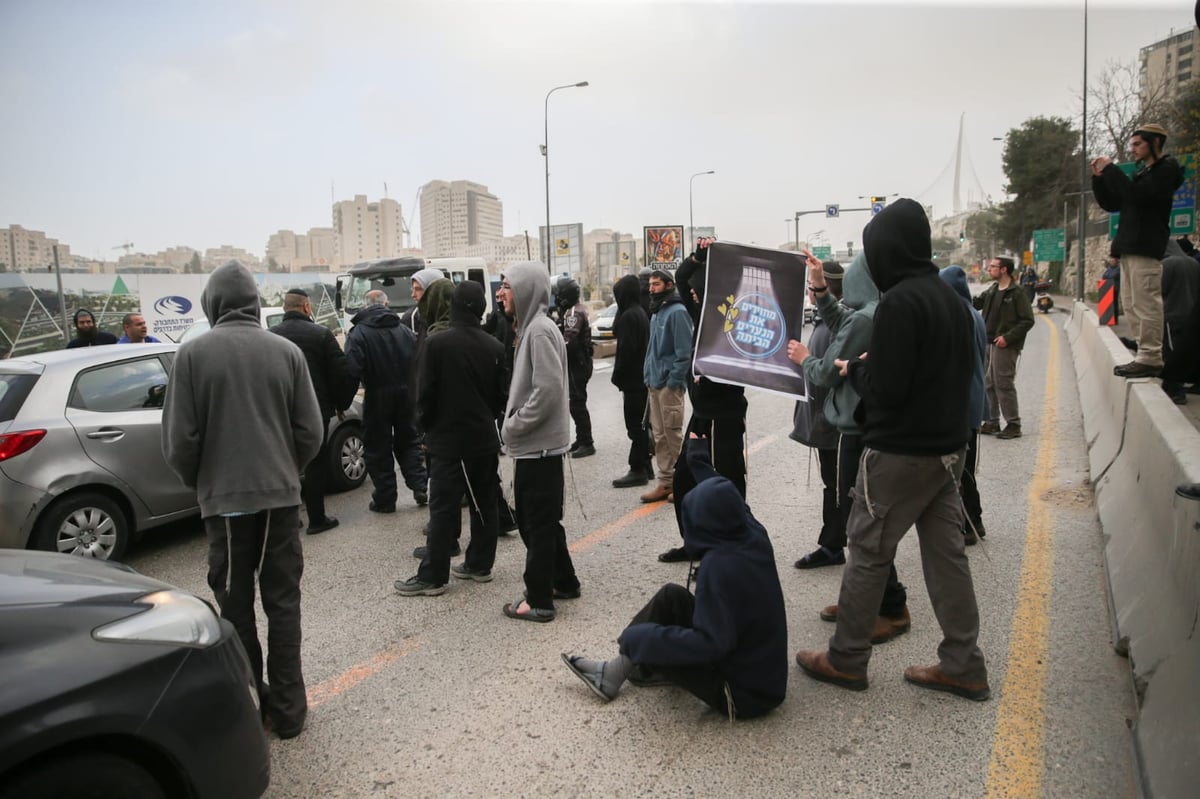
[931, 677]
[657, 494]
[815, 664]
[885, 628]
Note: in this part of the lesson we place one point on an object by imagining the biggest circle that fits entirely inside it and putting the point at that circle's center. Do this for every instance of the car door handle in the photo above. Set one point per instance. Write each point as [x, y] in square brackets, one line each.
[107, 434]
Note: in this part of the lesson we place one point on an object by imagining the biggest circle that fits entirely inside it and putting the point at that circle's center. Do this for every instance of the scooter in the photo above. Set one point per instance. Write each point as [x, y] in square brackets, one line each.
[1044, 302]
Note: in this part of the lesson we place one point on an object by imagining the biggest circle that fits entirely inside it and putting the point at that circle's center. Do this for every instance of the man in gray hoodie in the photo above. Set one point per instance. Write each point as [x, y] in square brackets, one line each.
[537, 434]
[240, 423]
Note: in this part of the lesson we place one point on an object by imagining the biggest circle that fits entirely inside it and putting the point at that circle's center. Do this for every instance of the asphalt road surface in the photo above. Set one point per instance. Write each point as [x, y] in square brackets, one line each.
[438, 696]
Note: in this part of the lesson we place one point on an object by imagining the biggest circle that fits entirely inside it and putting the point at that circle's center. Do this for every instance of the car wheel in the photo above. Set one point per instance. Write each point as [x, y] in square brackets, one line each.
[88, 524]
[347, 458]
[93, 775]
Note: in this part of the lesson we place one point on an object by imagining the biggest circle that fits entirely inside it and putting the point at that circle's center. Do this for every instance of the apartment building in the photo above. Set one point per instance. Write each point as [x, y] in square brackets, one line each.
[23, 250]
[456, 215]
[215, 256]
[302, 252]
[366, 230]
[1169, 63]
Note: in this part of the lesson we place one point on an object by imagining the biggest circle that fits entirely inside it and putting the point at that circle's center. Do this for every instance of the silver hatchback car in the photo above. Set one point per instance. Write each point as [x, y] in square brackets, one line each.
[81, 464]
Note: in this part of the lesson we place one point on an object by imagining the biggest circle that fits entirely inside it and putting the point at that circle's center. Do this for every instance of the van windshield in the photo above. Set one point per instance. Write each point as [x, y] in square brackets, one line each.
[399, 293]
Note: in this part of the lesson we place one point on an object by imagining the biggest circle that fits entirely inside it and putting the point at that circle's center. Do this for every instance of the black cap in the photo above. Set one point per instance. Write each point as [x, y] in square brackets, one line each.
[298, 292]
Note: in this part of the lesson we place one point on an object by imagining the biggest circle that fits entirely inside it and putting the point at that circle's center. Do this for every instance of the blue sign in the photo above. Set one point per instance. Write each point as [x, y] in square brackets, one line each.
[876, 208]
[831, 211]
[172, 305]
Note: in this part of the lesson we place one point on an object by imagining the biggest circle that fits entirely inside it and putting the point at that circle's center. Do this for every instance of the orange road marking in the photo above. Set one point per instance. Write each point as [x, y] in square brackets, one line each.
[335, 686]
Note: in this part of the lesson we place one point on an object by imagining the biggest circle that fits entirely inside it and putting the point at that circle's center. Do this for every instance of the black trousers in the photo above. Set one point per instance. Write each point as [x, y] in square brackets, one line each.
[633, 404]
[316, 480]
[967, 487]
[577, 380]
[538, 492]
[727, 442]
[833, 523]
[236, 545]
[449, 481]
[850, 449]
[389, 437]
[674, 606]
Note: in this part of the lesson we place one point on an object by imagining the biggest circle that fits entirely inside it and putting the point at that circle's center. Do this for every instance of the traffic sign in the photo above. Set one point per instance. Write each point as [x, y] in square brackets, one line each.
[822, 253]
[877, 204]
[1183, 203]
[832, 210]
[1049, 244]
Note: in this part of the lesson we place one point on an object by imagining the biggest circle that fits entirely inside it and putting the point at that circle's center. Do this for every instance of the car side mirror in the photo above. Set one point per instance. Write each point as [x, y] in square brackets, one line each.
[155, 396]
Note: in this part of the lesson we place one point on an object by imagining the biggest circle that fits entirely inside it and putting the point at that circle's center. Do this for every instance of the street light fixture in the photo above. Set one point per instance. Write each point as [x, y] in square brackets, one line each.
[691, 223]
[546, 154]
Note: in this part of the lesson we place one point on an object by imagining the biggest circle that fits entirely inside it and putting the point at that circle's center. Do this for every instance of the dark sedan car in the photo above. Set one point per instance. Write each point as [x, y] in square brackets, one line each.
[115, 684]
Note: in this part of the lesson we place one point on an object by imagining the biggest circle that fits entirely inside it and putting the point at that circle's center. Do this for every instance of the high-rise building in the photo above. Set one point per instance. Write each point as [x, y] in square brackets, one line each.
[22, 249]
[367, 230]
[303, 252]
[458, 214]
[1168, 64]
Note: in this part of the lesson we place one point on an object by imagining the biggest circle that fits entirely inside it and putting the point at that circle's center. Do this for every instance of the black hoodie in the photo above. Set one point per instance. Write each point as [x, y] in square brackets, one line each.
[631, 327]
[739, 623]
[379, 350]
[915, 384]
[710, 400]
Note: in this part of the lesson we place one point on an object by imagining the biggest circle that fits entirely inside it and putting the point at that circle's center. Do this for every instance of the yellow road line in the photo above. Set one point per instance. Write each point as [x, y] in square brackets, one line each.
[1018, 743]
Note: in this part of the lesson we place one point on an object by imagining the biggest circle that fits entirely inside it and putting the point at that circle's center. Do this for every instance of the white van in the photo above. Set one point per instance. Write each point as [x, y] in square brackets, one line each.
[394, 277]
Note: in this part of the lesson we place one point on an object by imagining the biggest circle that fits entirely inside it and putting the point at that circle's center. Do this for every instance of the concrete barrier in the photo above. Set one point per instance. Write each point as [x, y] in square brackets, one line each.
[1140, 447]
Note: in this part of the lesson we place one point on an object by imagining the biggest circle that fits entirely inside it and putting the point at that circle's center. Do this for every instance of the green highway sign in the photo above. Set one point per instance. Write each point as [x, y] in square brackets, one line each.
[1049, 244]
[823, 253]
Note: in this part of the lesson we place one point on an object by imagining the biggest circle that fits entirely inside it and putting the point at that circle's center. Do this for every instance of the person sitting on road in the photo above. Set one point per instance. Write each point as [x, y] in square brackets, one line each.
[727, 645]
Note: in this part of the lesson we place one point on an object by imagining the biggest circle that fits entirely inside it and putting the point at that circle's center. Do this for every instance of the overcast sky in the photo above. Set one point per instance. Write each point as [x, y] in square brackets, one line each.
[208, 123]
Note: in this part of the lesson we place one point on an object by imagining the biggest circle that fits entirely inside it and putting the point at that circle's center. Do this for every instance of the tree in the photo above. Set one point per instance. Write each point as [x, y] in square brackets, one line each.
[1041, 162]
[1118, 104]
[193, 266]
[1185, 121]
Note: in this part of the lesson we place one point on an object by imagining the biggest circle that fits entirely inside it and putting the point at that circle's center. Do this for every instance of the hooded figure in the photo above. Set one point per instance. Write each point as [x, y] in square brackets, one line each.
[577, 335]
[536, 434]
[1181, 309]
[434, 307]
[412, 318]
[631, 328]
[240, 423]
[87, 333]
[728, 644]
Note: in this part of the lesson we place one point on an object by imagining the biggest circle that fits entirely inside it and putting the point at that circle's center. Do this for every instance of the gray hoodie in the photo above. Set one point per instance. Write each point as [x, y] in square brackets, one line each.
[240, 421]
[536, 422]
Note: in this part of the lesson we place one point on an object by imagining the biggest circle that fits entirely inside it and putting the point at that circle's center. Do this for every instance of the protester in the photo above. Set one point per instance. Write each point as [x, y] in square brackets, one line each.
[87, 334]
[631, 328]
[239, 424]
[536, 434]
[1181, 309]
[1008, 317]
[1144, 202]
[334, 390]
[461, 382]
[668, 362]
[577, 334]
[411, 318]
[727, 645]
[915, 389]
[379, 352]
[134, 325]
[718, 409]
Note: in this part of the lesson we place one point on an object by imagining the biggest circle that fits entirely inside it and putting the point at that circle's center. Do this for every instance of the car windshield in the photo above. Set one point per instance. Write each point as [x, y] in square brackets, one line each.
[13, 391]
[399, 293]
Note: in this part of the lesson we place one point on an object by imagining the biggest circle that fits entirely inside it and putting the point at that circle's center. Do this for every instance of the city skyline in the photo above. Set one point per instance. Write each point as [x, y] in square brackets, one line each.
[225, 124]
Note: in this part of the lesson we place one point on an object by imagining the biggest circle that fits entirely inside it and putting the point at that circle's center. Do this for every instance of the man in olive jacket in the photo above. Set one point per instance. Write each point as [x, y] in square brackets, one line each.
[1009, 317]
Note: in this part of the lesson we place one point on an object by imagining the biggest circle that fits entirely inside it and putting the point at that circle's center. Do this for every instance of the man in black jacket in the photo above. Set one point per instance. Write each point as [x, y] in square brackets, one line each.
[718, 409]
[380, 351]
[577, 333]
[335, 392]
[915, 390]
[1144, 202]
[88, 334]
[461, 394]
[631, 327]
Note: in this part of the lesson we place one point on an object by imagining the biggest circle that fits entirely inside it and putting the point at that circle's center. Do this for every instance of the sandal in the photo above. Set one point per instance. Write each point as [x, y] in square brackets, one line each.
[590, 680]
[541, 615]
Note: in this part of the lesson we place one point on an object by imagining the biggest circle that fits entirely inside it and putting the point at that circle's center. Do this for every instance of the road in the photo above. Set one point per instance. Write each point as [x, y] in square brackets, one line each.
[426, 697]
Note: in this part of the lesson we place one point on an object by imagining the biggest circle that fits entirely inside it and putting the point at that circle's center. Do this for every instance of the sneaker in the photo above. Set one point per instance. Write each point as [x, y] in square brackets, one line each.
[631, 478]
[821, 557]
[583, 451]
[415, 586]
[989, 428]
[1011, 430]
[462, 572]
[421, 497]
[420, 552]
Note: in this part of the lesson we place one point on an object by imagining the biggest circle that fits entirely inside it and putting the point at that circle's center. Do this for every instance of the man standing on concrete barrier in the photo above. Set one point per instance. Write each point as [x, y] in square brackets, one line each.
[1008, 317]
[240, 422]
[915, 387]
[1144, 202]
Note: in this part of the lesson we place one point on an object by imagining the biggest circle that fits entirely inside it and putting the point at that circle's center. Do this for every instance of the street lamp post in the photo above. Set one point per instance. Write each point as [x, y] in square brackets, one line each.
[546, 155]
[691, 221]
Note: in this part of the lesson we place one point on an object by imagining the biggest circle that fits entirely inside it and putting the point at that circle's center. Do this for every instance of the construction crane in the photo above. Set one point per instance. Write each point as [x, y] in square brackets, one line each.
[127, 247]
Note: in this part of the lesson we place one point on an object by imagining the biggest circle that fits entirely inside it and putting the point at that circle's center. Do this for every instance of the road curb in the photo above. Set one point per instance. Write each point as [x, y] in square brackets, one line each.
[1139, 448]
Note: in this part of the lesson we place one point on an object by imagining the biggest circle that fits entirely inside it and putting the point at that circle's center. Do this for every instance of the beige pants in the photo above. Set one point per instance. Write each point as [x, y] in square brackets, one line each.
[666, 420]
[1141, 290]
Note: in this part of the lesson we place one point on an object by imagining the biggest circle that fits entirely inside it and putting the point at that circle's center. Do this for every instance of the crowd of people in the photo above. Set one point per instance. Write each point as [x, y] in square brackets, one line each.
[904, 370]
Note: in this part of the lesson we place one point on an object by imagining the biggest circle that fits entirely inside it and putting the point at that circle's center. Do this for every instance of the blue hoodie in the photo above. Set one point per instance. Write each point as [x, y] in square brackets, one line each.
[739, 624]
[977, 410]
